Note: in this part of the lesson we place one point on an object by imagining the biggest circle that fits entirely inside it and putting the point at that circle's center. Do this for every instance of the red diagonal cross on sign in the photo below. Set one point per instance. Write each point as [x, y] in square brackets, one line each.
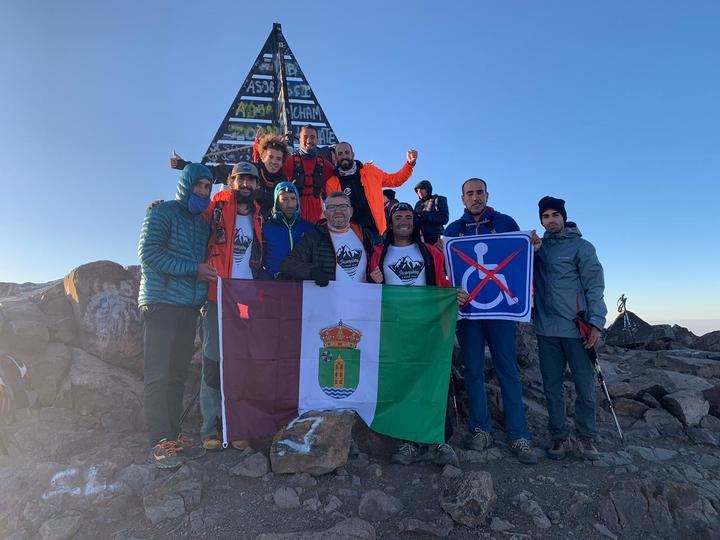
[489, 274]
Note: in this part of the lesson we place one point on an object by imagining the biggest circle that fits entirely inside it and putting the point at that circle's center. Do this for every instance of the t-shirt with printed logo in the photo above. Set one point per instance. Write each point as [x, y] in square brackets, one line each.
[242, 247]
[404, 265]
[350, 257]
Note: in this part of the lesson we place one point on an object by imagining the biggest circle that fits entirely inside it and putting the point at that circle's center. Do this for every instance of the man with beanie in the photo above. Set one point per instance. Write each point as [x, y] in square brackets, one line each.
[235, 251]
[334, 250]
[431, 211]
[284, 229]
[479, 218]
[568, 283]
[404, 259]
[173, 285]
[389, 202]
[363, 183]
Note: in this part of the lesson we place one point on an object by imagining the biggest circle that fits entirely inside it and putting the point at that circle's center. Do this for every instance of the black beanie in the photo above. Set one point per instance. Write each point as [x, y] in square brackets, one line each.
[556, 204]
[389, 193]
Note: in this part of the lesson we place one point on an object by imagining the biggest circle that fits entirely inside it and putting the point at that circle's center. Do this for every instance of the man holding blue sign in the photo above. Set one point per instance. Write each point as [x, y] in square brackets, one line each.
[481, 219]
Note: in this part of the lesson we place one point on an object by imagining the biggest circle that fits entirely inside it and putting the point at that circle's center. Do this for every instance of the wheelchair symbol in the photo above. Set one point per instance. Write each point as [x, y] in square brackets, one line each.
[480, 250]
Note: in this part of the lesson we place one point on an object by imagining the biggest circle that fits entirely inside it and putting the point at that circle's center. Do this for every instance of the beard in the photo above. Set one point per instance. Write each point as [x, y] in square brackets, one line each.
[247, 199]
[346, 164]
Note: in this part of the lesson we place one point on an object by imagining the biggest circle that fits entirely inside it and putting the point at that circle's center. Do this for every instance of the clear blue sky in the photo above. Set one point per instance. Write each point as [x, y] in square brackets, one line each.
[610, 105]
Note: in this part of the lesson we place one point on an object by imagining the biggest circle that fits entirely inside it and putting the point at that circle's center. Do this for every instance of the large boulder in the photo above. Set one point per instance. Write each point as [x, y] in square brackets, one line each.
[708, 342]
[688, 406]
[104, 299]
[26, 327]
[317, 442]
[694, 365]
[637, 333]
[173, 496]
[658, 508]
[58, 309]
[110, 393]
[47, 372]
[683, 336]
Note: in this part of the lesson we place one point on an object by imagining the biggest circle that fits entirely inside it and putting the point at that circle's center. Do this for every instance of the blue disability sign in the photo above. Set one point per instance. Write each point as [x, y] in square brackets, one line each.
[496, 269]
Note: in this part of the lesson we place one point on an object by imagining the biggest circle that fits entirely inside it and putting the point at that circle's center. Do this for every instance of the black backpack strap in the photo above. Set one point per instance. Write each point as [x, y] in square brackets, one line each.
[318, 176]
[298, 172]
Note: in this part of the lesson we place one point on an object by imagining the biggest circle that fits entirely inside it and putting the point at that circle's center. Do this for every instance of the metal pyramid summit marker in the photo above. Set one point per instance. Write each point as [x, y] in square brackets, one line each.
[275, 96]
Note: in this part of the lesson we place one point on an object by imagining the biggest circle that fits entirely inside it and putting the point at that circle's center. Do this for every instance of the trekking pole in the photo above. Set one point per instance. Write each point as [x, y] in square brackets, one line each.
[601, 379]
[454, 398]
[190, 405]
[585, 329]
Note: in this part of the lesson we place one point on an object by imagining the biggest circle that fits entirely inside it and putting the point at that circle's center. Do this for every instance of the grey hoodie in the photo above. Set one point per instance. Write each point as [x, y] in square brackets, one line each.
[567, 275]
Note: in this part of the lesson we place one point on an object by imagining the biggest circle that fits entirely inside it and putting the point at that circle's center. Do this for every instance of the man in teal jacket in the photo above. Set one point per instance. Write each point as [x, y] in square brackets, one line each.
[568, 282]
[173, 286]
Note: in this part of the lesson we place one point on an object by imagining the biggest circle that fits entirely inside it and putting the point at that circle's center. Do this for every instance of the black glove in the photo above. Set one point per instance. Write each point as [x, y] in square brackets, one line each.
[319, 277]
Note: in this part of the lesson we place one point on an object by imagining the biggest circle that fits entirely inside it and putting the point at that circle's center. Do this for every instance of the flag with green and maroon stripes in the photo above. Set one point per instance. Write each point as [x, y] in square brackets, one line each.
[291, 347]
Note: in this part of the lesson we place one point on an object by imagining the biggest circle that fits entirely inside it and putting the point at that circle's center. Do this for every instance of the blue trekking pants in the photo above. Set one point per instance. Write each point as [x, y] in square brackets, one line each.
[500, 336]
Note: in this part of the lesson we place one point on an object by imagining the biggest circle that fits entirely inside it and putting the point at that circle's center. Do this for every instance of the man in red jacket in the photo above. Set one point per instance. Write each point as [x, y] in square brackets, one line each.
[309, 172]
[404, 259]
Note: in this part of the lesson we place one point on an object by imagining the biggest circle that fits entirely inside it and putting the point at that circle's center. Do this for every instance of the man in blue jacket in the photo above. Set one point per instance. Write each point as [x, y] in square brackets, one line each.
[284, 228]
[173, 286]
[479, 218]
[568, 282]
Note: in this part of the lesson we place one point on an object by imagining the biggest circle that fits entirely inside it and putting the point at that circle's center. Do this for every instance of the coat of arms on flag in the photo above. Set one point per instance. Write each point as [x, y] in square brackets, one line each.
[339, 370]
[496, 270]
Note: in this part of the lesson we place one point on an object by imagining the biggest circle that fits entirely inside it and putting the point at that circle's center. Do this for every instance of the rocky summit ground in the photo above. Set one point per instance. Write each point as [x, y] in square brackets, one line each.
[76, 463]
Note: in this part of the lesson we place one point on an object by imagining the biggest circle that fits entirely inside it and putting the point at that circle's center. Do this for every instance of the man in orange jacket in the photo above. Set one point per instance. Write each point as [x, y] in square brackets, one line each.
[363, 183]
[235, 251]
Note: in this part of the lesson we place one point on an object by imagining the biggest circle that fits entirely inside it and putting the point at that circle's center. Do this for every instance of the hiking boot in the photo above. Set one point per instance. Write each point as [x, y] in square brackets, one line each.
[187, 448]
[164, 455]
[587, 449]
[444, 454]
[212, 443]
[558, 449]
[479, 440]
[240, 444]
[407, 453]
[523, 451]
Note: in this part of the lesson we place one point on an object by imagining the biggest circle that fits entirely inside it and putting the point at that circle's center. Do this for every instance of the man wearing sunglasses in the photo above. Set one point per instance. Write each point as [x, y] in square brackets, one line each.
[335, 250]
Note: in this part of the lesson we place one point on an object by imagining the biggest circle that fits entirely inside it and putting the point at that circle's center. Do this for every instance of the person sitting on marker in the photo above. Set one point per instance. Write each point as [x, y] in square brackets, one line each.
[568, 282]
[284, 229]
[334, 250]
[404, 259]
[363, 183]
[479, 218]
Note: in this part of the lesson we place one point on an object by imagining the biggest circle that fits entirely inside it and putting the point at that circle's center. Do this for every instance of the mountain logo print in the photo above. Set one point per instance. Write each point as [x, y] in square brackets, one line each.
[407, 270]
[348, 259]
[241, 245]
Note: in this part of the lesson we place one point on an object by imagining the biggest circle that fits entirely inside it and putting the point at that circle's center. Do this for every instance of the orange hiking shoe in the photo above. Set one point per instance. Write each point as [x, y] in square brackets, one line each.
[164, 455]
[187, 448]
[240, 444]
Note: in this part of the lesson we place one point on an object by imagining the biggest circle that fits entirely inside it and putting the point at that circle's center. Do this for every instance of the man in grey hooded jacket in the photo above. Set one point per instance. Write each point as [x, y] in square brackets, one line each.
[568, 282]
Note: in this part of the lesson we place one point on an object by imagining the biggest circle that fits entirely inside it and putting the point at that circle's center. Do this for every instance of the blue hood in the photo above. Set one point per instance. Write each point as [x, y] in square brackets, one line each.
[190, 174]
[284, 186]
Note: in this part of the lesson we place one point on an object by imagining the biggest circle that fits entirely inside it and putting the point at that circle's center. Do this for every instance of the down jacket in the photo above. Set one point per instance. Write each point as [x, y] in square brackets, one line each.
[172, 246]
